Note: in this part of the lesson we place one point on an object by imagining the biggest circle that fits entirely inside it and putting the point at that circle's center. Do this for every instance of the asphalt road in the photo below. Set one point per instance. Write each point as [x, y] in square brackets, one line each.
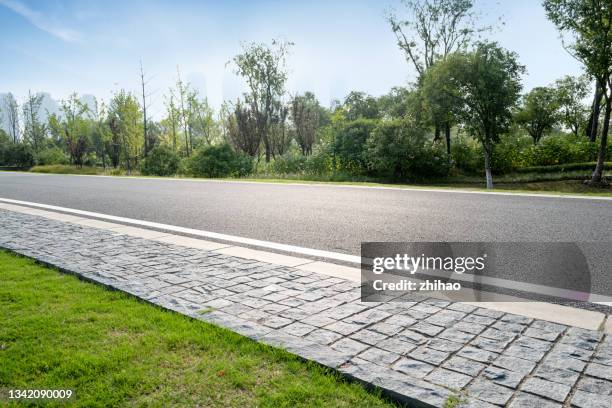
[330, 217]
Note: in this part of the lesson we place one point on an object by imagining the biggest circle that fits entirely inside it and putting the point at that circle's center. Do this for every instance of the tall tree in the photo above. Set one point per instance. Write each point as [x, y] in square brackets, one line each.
[124, 117]
[34, 130]
[538, 112]
[201, 120]
[433, 29]
[305, 117]
[242, 130]
[11, 108]
[589, 25]
[486, 85]
[264, 69]
[143, 84]
[183, 91]
[571, 92]
[430, 31]
[71, 126]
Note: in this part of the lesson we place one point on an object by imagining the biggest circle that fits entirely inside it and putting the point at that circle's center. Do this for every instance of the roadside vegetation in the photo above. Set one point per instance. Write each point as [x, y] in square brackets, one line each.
[114, 350]
[466, 118]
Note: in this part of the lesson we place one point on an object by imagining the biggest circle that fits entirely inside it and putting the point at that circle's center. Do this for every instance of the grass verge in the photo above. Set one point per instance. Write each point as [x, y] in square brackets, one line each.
[57, 332]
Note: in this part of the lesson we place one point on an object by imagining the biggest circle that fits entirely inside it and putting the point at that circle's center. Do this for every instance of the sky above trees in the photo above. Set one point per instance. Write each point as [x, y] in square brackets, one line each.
[94, 47]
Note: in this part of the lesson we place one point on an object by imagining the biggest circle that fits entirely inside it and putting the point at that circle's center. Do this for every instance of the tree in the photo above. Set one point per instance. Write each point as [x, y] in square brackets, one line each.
[124, 119]
[433, 29]
[34, 131]
[589, 23]
[305, 117]
[486, 85]
[183, 91]
[72, 128]
[264, 69]
[441, 107]
[359, 105]
[11, 108]
[242, 130]
[171, 122]
[201, 120]
[570, 92]
[143, 84]
[538, 113]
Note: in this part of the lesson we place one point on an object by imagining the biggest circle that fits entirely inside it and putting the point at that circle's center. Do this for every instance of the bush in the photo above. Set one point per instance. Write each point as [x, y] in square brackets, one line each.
[16, 155]
[560, 149]
[400, 151]
[219, 161]
[52, 155]
[349, 144]
[161, 161]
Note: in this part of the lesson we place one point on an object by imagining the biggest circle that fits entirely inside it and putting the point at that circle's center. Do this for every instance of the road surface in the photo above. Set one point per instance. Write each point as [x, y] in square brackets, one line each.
[333, 218]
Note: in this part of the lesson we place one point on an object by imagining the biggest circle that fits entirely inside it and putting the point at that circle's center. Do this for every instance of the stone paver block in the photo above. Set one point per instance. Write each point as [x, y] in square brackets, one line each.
[544, 388]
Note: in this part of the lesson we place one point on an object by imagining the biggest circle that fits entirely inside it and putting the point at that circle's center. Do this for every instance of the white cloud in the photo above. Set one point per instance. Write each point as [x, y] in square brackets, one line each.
[41, 21]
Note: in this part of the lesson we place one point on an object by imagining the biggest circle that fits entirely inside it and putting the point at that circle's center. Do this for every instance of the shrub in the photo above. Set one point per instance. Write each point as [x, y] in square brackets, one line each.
[219, 161]
[399, 151]
[349, 144]
[17, 155]
[289, 163]
[559, 149]
[52, 155]
[161, 161]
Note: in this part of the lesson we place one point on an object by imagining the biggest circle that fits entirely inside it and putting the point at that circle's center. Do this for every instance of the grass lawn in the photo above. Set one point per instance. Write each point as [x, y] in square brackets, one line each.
[57, 332]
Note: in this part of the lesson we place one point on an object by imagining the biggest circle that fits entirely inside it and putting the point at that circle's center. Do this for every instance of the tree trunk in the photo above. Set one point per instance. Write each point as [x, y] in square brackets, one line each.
[436, 133]
[447, 134]
[488, 150]
[593, 125]
[603, 144]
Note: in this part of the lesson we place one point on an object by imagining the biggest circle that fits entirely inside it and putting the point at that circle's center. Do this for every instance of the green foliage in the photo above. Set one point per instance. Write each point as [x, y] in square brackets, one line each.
[16, 155]
[65, 169]
[539, 112]
[218, 161]
[397, 150]
[161, 161]
[348, 143]
[51, 155]
[559, 149]
[561, 168]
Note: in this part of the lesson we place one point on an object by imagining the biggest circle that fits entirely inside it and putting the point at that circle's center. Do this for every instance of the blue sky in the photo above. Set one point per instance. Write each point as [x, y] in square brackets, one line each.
[94, 47]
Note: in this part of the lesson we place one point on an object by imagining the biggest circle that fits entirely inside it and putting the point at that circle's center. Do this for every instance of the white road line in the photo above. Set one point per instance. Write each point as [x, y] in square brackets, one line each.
[331, 184]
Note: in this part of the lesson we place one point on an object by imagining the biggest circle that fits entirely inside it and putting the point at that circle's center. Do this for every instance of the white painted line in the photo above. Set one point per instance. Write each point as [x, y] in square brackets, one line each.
[331, 184]
[190, 231]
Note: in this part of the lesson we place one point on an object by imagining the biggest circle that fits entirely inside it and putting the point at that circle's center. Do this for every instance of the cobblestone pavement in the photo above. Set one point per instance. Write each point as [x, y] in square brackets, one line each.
[423, 352]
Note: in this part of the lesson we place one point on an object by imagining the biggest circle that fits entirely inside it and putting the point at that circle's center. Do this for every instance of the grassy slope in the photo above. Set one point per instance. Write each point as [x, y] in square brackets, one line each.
[113, 350]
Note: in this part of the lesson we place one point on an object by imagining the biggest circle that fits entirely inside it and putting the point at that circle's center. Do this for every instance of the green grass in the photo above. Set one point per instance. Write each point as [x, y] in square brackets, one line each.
[66, 169]
[58, 332]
